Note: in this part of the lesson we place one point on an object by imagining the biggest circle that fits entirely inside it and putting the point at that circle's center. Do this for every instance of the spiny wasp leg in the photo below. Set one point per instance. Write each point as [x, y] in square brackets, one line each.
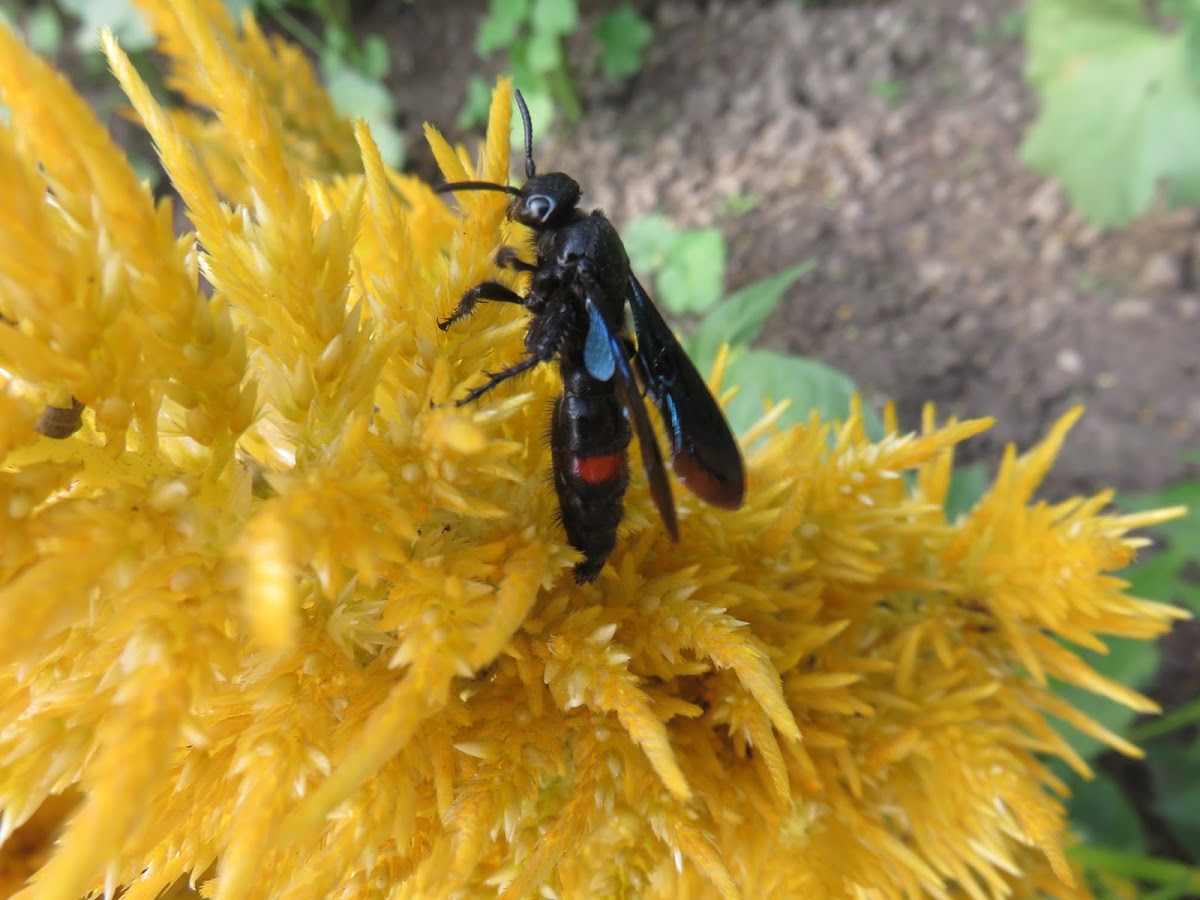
[488, 290]
[495, 378]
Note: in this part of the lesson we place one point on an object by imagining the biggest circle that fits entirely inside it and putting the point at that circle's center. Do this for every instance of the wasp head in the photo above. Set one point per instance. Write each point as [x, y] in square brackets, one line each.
[545, 201]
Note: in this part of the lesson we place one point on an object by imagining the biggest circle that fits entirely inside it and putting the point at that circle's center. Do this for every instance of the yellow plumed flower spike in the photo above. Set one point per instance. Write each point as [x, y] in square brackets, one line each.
[311, 328]
[283, 619]
[126, 303]
[318, 140]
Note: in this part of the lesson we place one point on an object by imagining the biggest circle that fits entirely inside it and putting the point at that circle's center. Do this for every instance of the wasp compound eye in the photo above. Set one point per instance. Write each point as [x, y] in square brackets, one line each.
[539, 207]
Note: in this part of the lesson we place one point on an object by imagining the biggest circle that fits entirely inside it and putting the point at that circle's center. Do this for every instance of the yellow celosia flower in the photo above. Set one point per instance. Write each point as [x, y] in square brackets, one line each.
[280, 618]
[315, 140]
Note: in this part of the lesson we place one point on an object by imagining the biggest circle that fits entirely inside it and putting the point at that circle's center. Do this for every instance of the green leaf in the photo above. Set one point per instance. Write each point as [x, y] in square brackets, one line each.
[502, 27]
[738, 204]
[1191, 43]
[476, 105]
[1103, 815]
[556, 17]
[119, 15]
[739, 318]
[810, 385]
[1185, 716]
[1168, 575]
[690, 265]
[623, 37]
[44, 30]
[1164, 578]
[967, 484]
[1120, 110]
[354, 94]
[147, 170]
[1182, 493]
[647, 240]
[544, 50]
[1009, 26]
[562, 89]
[390, 141]
[338, 40]
[1180, 880]
[888, 89]
[693, 275]
[1130, 662]
[235, 8]
[376, 57]
[1175, 771]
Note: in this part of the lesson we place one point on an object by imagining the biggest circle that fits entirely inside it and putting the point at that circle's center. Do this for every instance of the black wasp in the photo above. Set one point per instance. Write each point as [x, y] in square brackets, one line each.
[580, 286]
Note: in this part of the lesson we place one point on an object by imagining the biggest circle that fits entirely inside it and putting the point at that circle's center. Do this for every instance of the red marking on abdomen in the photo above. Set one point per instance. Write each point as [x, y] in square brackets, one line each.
[599, 469]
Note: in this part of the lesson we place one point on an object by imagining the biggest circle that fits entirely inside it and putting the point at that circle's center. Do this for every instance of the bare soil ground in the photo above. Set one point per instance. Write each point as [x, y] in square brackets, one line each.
[882, 142]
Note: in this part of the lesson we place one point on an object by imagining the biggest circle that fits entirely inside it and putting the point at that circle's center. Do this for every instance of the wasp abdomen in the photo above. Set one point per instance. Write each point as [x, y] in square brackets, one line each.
[589, 437]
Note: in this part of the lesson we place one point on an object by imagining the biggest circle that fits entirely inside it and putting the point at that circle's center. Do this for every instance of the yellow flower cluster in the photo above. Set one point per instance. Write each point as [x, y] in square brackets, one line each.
[280, 620]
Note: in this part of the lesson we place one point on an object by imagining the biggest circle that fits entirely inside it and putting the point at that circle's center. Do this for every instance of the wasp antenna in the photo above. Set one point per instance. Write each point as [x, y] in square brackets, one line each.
[530, 170]
[477, 186]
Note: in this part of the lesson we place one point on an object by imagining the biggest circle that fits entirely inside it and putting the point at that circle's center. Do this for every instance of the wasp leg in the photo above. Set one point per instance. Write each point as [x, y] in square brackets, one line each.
[488, 290]
[507, 258]
[495, 378]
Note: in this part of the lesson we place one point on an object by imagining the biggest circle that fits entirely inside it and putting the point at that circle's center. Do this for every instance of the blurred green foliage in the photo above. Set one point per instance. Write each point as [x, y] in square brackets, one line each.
[534, 34]
[1119, 83]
